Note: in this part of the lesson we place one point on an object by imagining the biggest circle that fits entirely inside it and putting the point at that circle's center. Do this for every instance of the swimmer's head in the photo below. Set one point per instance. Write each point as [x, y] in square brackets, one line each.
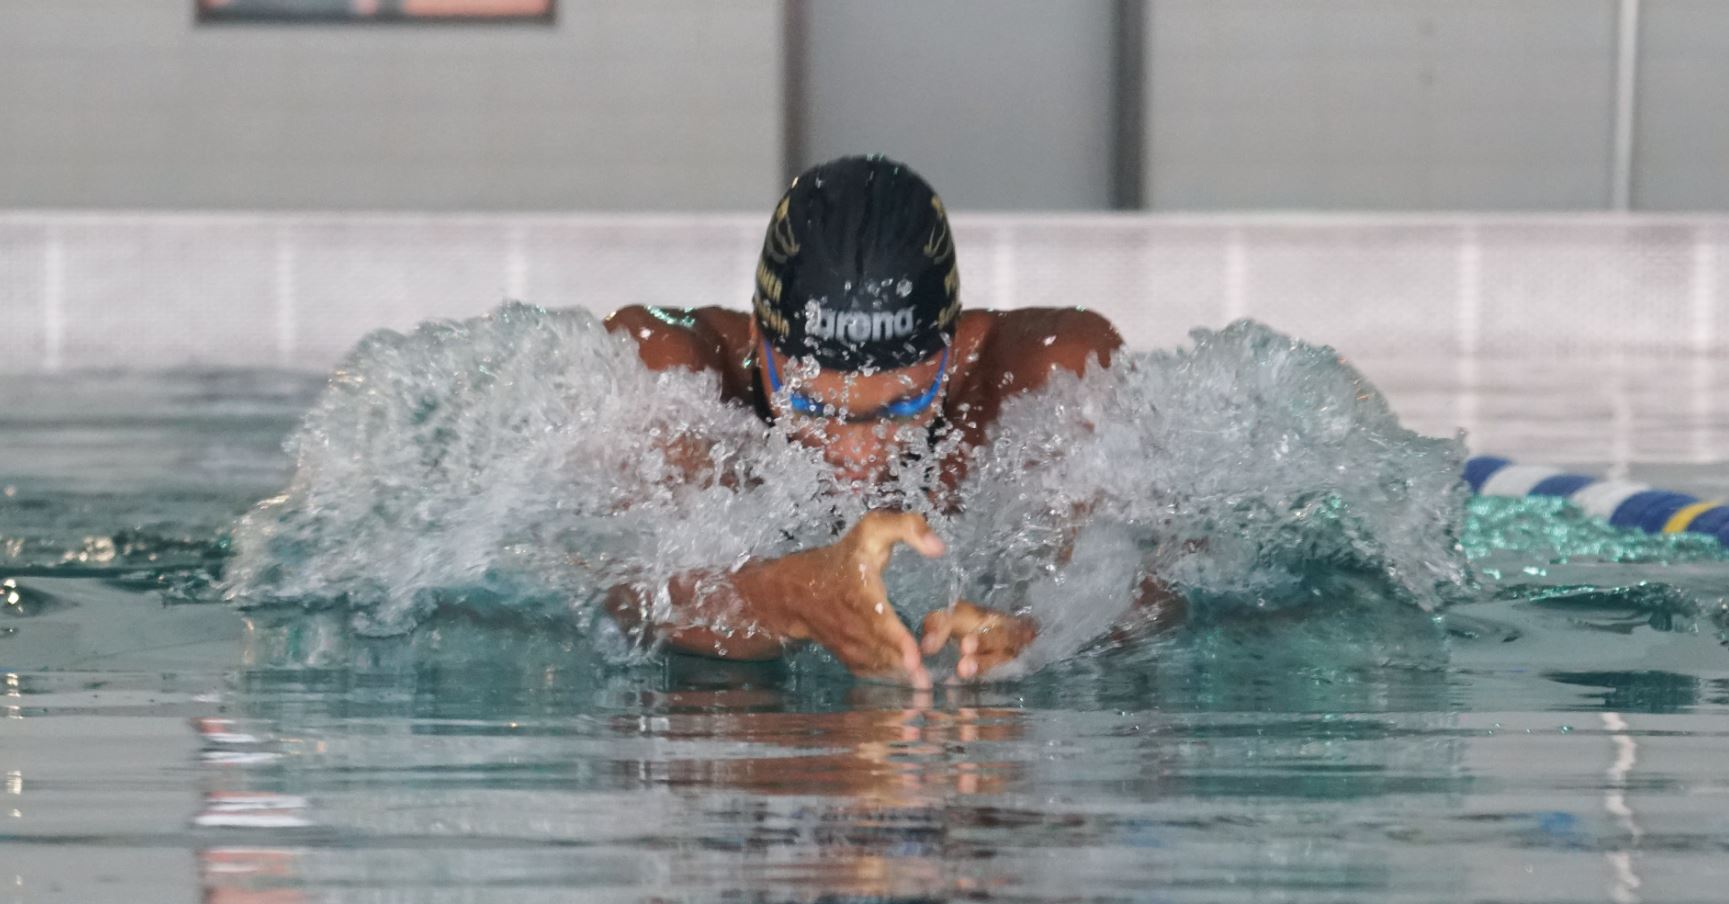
[858, 269]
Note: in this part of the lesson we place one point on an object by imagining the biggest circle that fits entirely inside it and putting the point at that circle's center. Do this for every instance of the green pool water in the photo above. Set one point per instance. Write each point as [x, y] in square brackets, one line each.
[1563, 737]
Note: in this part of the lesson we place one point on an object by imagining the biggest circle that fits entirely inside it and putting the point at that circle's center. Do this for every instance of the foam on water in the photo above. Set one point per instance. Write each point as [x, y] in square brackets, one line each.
[1551, 529]
[527, 461]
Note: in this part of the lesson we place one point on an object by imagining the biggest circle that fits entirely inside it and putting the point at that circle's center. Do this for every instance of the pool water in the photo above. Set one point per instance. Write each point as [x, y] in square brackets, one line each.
[1562, 737]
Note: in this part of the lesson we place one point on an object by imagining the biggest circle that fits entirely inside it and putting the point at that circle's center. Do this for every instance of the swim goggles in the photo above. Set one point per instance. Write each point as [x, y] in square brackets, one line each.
[899, 409]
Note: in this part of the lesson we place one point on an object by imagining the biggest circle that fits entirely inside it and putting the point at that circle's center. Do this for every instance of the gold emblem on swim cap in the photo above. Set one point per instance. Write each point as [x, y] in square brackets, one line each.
[781, 245]
[771, 319]
[939, 247]
[947, 315]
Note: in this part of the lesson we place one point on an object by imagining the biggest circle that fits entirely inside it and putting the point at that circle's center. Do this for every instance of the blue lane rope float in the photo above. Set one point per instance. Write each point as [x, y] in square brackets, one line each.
[1621, 503]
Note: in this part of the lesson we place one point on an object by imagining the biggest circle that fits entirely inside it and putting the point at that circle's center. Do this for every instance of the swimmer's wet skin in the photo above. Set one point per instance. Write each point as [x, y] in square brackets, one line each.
[856, 333]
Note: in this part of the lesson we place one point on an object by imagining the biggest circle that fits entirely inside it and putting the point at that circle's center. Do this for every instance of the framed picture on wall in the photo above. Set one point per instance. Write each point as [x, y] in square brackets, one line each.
[324, 11]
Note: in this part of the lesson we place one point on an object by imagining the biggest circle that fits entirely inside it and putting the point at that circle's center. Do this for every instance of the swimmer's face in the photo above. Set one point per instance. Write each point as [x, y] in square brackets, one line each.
[863, 438]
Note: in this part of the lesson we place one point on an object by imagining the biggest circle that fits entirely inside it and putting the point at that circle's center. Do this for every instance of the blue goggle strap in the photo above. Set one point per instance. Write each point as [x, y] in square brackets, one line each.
[806, 405]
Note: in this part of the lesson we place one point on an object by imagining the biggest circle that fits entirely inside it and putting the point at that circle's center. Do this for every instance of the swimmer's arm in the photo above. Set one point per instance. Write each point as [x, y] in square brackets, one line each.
[764, 598]
[830, 595]
[705, 340]
[698, 340]
[1078, 340]
[668, 338]
[630, 609]
[1074, 340]
[1157, 608]
[1025, 349]
[1028, 350]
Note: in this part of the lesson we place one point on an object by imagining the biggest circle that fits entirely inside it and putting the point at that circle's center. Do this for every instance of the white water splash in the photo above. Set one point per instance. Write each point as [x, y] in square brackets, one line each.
[520, 461]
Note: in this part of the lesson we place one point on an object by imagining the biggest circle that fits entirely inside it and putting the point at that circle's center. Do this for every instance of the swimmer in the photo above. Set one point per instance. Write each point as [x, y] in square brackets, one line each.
[856, 332]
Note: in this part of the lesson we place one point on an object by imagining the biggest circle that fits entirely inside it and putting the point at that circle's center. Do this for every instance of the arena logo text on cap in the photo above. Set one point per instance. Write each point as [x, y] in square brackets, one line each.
[858, 326]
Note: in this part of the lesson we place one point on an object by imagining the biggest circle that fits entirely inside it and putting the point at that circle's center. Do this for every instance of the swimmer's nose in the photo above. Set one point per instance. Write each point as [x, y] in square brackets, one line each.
[856, 452]
[856, 463]
[859, 472]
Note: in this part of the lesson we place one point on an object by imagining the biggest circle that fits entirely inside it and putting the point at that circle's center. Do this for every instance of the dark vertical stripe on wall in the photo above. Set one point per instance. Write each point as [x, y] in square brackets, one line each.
[1128, 81]
[795, 44]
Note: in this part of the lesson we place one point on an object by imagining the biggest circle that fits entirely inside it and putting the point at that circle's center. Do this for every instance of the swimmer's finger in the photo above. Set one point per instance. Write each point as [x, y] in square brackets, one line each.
[966, 624]
[893, 668]
[955, 622]
[1004, 634]
[968, 618]
[987, 639]
[971, 667]
[994, 630]
[878, 531]
[906, 649]
[937, 628]
[881, 647]
[880, 659]
[914, 664]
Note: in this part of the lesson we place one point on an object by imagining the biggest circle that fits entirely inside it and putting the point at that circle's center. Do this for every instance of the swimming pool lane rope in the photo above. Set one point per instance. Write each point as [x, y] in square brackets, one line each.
[1622, 503]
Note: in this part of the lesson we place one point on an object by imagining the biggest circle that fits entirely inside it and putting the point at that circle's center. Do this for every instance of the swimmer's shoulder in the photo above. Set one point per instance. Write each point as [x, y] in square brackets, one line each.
[708, 338]
[1005, 353]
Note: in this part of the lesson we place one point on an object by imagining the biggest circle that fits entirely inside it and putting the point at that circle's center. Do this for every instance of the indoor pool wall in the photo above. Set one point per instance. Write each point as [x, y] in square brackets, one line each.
[1450, 315]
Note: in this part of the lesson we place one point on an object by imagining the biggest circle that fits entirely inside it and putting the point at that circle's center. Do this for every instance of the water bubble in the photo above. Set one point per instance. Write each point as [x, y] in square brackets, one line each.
[528, 460]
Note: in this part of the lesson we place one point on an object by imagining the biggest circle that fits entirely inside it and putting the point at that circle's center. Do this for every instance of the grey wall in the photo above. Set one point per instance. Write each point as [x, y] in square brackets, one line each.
[1379, 104]
[1000, 103]
[640, 104]
[1681, 146]
[1004, 104]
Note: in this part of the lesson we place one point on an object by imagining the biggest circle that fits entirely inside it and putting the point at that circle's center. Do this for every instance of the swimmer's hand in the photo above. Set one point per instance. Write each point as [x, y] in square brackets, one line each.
[986, 638]
[834, 595]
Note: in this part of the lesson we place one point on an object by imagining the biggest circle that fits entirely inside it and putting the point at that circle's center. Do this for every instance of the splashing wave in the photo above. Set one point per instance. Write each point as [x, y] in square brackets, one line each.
[528, 461]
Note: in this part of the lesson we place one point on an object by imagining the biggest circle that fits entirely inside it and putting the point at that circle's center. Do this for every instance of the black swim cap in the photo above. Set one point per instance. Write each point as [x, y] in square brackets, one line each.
[858, 268]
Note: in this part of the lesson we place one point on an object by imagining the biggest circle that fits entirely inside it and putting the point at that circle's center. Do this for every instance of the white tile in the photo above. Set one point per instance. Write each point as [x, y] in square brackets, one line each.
[170, 295]
[23, 283]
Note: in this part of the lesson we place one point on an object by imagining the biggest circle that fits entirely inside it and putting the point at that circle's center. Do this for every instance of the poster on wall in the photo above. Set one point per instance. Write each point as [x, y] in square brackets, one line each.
[531, 11]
